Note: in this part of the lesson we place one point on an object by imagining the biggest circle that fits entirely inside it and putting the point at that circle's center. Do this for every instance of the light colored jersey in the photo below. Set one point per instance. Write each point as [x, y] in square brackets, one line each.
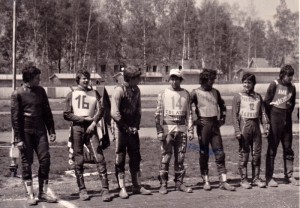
[173, 112]
[249, 106]
[84, 103]
[207, 102]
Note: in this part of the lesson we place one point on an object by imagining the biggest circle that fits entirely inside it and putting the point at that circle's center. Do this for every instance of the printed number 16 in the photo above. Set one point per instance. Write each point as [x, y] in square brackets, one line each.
[84, 105]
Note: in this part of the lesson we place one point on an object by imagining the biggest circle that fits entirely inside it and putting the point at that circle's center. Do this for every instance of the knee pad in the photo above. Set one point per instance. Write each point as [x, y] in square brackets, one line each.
[166, 158]
[289, 157]
[101, 167]
[120, 158]
[164, 167]
[181, 157]
[179, 167]
[220, 156]
[99, 158]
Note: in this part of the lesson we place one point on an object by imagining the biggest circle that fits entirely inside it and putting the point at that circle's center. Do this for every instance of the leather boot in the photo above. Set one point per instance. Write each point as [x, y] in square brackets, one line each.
[30, 198]
[137, 185]
[43, 195]
[80, 179]
[179, 182]
[83, 195]
[224, 185]
[123, 193]
[244, 178]
[105, 190]
[206, 186]
[256, 180]
[163, 178]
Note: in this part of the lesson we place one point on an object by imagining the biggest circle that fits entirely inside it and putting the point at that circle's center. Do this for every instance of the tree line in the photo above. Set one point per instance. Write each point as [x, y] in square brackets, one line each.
[64, 36]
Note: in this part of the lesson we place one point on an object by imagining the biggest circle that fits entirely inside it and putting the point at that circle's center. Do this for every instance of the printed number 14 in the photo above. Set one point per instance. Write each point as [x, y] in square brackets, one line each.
[176, 103]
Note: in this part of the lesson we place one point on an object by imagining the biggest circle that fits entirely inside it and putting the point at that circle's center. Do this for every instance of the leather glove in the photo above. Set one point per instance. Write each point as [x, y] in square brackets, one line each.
[199, 122]
[52, 137]
[91, 128]
[160, 137]
[133, 130]
[221, 122]
[266, 128]
[238, 136]
[190, 136]
[20, 145]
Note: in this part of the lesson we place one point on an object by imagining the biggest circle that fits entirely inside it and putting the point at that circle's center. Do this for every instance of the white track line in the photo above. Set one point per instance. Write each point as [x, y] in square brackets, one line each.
[62, 202]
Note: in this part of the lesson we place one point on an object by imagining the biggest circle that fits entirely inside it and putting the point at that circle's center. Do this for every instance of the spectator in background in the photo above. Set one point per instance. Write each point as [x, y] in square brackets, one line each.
[31, 117]
[173, 118]
[280, 101]
[248, 112]
[208, 103]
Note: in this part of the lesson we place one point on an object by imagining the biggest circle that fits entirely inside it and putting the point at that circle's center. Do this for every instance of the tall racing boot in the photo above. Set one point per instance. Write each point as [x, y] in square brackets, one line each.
[179, 182]
[163, 178]
[206, 185]
[123, 193]
[244, 178]
[29, 188]
[256, 180]
[223, 183]
[137, 187]
[43, 189]
[83, 195]
[105, 190]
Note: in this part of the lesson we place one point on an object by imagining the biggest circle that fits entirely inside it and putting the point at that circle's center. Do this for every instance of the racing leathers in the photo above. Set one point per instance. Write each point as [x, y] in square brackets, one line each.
[126, 113]
[82, 103]
[280, 101]
[248, 112]
[173, 118]
[31, 118]
[208, 107]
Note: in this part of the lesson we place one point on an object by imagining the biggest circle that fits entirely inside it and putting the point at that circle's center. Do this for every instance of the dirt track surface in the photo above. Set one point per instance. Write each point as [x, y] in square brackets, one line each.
[285, 196]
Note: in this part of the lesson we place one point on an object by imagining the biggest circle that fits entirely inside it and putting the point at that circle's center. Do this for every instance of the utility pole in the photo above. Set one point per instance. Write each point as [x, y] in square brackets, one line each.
[14, 152]
[183, 44]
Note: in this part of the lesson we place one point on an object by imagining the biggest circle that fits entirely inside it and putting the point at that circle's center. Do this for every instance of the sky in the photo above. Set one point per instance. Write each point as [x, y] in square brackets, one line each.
[266, 9]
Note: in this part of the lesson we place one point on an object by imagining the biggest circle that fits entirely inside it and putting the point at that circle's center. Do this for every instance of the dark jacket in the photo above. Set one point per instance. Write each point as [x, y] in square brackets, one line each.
[31, 102]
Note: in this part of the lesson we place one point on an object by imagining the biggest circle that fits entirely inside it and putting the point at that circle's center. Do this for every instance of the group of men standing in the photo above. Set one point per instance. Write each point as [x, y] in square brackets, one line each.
[90, 112]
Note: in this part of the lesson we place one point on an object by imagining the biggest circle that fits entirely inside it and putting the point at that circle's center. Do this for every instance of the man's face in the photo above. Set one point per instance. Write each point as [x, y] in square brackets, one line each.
[209, 84]
[175, 82]
[134, 81]
[84, 81]
[287, 79]
[35, 81]
[248, 86]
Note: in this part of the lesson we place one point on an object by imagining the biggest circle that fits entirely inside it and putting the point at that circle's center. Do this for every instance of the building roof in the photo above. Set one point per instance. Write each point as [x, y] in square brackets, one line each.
[260, 70]
[191, 71]
[10, 77]
[258, 63]
[152, 74]
[72, 76]
[118, 74]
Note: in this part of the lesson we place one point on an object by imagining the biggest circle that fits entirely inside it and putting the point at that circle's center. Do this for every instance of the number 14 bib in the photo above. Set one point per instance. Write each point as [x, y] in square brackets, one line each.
[175, 107]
